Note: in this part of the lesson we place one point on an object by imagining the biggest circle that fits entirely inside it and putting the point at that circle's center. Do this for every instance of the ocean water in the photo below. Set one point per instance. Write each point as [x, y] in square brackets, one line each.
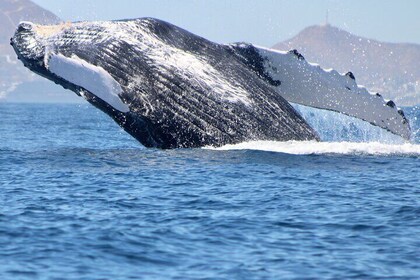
[80, 199]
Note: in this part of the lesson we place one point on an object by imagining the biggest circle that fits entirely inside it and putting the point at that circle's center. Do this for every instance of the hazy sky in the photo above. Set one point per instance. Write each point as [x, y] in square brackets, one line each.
[262, 22]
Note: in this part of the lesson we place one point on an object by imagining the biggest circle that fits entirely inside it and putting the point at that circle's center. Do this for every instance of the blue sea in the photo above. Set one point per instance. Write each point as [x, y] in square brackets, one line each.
[81, 199]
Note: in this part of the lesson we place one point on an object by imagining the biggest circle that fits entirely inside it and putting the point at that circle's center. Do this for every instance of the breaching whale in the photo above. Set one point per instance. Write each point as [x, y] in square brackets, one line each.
[169, 88]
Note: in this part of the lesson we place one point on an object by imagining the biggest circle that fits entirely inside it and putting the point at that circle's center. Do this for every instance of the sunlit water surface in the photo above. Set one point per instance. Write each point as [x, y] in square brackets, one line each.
[81, 199]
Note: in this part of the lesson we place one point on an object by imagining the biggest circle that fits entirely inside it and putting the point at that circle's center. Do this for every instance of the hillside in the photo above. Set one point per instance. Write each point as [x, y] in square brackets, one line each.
[13, 11]
[389, 68]
[12, 72]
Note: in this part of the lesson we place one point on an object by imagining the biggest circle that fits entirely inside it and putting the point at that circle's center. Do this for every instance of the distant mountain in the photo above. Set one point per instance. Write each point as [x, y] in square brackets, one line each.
[389, 68]
[14, 11]
[12, 72]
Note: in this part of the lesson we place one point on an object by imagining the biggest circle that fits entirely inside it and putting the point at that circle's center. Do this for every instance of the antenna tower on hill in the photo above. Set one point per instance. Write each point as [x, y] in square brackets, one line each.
[326, 18]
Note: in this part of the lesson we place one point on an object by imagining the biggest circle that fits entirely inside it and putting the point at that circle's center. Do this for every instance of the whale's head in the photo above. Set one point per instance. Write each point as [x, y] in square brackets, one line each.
[47, 51]
[32, 44]
[29, 47]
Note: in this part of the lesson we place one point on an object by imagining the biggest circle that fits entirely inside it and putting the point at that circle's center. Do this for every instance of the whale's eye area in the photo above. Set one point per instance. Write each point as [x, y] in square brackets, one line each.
[25, 26]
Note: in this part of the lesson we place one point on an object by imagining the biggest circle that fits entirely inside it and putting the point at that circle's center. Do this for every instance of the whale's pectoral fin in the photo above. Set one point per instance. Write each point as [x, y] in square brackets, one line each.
[308, 84]
[92, 78]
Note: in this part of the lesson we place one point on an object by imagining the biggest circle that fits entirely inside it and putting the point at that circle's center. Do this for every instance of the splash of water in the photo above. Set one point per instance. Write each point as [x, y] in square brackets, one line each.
[313, 147]
[341, 134]
[332, 126]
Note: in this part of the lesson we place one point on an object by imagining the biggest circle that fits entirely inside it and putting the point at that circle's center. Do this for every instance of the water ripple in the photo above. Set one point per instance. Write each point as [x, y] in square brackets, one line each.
[76, 204]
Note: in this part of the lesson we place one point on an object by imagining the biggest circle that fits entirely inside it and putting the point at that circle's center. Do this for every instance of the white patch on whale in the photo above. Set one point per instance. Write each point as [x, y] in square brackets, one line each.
[90, 77]
[170, 59]
[165, 57]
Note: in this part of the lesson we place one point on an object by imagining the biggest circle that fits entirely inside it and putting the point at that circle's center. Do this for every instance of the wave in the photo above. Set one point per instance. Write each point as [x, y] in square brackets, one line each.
[343, 135]
[336, 127]
[313, 147]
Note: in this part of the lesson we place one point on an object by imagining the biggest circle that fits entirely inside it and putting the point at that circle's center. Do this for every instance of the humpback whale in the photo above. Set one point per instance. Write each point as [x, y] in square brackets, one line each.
[169, 88]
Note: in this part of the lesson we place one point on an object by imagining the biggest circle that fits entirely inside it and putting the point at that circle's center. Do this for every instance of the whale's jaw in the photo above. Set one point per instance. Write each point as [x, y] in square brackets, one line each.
[166, 87]
[28, 48]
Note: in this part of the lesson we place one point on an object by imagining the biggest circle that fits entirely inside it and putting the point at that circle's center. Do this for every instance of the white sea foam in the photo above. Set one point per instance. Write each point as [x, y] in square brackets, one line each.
[340, 134]
[335, 127]
[313, 147]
